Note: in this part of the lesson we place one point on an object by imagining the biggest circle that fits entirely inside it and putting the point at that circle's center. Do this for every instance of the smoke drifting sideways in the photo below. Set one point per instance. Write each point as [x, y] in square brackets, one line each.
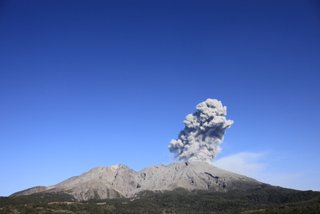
[203, 132]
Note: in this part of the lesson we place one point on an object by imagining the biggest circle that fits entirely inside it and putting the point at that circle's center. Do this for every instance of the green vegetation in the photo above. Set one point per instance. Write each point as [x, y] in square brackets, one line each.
[266, 199]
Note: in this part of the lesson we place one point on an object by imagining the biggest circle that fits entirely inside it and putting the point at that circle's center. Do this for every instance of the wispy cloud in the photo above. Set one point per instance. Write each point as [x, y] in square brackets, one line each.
[246, 163]
[257, 165]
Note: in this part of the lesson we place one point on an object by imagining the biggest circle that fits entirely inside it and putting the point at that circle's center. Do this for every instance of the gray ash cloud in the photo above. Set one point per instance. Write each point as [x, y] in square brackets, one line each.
[203, 132]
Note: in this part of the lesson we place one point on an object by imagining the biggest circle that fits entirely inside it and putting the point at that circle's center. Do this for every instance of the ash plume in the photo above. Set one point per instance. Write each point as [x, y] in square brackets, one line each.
[203, 132]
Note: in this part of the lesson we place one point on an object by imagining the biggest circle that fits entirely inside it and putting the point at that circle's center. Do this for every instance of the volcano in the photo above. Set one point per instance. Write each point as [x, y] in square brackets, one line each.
[118, 181]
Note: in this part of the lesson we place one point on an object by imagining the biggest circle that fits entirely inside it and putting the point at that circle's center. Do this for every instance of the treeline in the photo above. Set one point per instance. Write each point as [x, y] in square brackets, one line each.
[266, 199]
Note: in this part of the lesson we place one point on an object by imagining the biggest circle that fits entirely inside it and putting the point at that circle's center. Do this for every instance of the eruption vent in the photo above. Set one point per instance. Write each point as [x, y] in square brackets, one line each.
[203, 132]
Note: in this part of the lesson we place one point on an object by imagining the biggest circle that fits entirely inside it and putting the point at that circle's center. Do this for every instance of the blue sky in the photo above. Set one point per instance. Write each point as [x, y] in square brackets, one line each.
[95, 83]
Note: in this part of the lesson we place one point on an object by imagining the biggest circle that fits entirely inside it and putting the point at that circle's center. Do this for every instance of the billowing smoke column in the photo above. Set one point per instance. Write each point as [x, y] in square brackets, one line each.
[203, 132]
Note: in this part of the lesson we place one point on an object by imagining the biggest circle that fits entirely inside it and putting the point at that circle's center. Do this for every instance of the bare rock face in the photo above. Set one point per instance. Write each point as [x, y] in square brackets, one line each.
[31, 191]
[120, 181]
[101, 182]
[194, 175]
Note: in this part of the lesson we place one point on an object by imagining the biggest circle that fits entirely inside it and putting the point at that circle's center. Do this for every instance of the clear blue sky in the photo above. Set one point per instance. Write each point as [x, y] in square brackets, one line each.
[95, 83]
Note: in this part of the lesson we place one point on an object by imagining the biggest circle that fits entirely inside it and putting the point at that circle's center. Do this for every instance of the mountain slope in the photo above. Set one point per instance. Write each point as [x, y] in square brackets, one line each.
[120, 181]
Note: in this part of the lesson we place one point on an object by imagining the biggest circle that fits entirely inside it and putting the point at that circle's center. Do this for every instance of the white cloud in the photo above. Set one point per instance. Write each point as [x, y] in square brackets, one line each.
[258, 166]
[245, 163]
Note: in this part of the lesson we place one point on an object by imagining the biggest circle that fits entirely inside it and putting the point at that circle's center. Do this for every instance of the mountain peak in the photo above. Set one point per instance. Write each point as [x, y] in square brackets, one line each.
[120, 181]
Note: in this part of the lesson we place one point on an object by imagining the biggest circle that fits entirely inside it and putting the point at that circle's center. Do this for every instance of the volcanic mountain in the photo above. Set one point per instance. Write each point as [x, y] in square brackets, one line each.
[193, 185]
[121, 181]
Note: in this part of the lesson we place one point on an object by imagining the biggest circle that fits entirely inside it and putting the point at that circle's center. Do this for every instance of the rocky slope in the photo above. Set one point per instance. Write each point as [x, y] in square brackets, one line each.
[120, 181]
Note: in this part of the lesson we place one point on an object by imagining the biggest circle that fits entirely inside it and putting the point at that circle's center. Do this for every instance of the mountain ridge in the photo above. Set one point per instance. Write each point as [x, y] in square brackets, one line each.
[120, 181]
